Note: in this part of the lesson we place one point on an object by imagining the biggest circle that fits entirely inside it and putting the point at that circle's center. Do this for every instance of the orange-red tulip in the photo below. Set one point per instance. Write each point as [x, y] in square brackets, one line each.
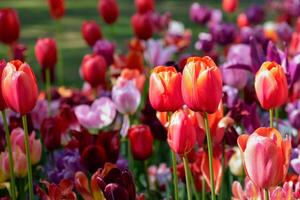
[271, 85]
[230, 5]
[266, 156]
[9, 26]
[164, 89]
[181, 133]
[19, 87]
[57, 8]
[201, 84]
[109, 10]
[91, 32]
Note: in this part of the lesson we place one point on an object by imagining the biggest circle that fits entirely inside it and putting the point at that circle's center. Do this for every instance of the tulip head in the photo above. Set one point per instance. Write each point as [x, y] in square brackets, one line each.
[91, 32]
[201, 84]
[109, 10]
[46, 52]
[57, 8]
[230, 5]
[181, 133]
[165, 89]
[19, 87]
[271, 85]
[9, 26]
[144, 6]
[265, 152]
[142, 25]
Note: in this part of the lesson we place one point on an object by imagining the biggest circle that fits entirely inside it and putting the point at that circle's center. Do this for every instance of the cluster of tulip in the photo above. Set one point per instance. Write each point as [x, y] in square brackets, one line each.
[191, 127]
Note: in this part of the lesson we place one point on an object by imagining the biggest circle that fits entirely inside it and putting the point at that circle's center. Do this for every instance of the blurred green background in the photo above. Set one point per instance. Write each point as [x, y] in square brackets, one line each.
[36, 22]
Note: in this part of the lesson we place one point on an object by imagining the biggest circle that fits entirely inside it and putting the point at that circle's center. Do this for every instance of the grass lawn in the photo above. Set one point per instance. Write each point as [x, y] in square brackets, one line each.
[36, 22]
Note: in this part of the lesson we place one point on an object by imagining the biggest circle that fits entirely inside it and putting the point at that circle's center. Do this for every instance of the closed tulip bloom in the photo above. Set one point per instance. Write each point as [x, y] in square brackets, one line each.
[2, 102]
[230, 5]
[91, 32]
[57, 8]
[93, 69]
[142, 25]
[141, 142]
[144, 6]
[181, 133]
[19, 87]
[201, 84]
[271, 85]
[164, 89]
[9, 26]
[109, 10]
[46, 52]
[266, 156]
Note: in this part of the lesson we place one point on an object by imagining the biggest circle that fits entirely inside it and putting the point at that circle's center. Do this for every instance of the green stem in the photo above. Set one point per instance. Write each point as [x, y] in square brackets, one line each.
[191, 179]
[271, 112]
[60, 56]
[175, 176]
[147, 179]
[277, 117]
[266, 194]
[10, 157]
[203, 188]
[223, 168]
[188, 187]
[48, 89]
[27, 148]
[130, 159]
[210, 157]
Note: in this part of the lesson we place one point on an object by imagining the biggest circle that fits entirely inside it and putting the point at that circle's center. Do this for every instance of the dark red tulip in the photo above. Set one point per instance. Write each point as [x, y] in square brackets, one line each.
[109, 10]
[111, 143]
[51, 130]
[142, 25]
[141, 142]
[93, 69]
[57, 8]
[144, 6]
[93, 157]
[2, 102]
[19, 87]
[46, 52]
[91, 32]
[9, 26]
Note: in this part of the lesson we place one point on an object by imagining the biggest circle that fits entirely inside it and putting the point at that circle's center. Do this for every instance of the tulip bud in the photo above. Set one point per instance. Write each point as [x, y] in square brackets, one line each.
[265, 152]
[9, 26]
[271, 85]
[164, 94]
[57, 8]
[181, 133]
[91, 32]
[19, 87]
[141, 142]
[144, 6]
[93, 70]
[20, 162]
[142, 26]
[230, 5]
[109, 10]
[200, 77]
[46, 52]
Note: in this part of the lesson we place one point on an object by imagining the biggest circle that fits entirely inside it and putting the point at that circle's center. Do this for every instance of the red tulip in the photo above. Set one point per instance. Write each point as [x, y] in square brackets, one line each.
[109, 10]
[271, 85]
[144, 6]
[141, 142]
[142, 25]
[19, 87]
[46, 52]
[164, 89]
[201, 84]
[9, 26]
[181, 133]
[265, 152]
[57, 8]
[93, 69]
[2, 102]
[91, 32]
[230, 5]
[242, 20]
[51, 132]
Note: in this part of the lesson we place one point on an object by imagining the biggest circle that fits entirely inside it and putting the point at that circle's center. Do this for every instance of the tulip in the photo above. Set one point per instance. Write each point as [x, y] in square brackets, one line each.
[109, 10]
[163, 89]
[142, 25]
[230, 5]
[271, 85]
[106, 49]
[20, 161]
[51, 130]
[57, 9]
[19, 87]
[135, 75]
[46, 52]
[265, 152]
[255, 14]
[91, 32]
[9, 26]
[141, 142]
[242, 20]
[93, 70]
[200, 76]
[144, 6]
[181, 133]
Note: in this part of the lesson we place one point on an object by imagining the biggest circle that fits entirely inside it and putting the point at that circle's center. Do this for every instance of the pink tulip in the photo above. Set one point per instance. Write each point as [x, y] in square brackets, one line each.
[20, 164]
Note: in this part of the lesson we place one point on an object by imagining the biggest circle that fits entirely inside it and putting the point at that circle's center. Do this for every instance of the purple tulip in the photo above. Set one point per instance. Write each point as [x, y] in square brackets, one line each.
[255, 14]
[106, 49]
[231, 96]
[39, 113]
[295, 160]
[284, 32]
[223, 33]
[205, 42]
[293, 111]
[200, 14]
